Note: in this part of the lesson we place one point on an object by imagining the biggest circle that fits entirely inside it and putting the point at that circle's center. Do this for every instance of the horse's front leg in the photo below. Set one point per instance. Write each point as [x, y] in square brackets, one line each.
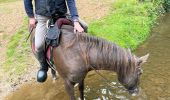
[70, 89]
[81, 89]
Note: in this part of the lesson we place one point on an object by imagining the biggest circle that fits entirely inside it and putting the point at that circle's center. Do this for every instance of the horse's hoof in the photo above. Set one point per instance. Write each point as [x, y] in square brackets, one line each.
[41, 76]
[54, 77]
[54, 81]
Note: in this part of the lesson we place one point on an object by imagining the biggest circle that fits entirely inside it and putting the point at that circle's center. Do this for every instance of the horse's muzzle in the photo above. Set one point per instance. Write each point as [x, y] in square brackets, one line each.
[134, 92]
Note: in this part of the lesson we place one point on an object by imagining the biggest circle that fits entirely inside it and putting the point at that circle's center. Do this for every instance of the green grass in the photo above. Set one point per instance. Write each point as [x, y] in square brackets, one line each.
[128, 25]
[17, 53]
[5, 1]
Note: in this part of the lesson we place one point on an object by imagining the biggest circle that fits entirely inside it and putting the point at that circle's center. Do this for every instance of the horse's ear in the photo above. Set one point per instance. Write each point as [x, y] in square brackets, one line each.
[143, 59]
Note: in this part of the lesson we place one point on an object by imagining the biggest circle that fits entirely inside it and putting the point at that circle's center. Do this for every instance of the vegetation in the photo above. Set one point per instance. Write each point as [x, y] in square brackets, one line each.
[17, 52]
[4, 1]
[166, 4]
[129, 22]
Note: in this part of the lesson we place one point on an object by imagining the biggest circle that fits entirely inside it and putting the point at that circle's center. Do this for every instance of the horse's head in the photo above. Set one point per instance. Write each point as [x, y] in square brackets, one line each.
[131, 80]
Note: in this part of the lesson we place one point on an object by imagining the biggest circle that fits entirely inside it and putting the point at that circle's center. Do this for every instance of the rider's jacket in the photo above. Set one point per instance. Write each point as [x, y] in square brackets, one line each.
[48, 7]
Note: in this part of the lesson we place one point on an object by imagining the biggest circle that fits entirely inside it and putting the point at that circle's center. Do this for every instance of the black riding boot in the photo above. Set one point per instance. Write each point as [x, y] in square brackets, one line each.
[42, 73]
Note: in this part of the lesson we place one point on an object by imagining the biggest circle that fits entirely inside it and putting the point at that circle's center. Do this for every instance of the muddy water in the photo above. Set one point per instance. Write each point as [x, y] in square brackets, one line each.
[155, 81]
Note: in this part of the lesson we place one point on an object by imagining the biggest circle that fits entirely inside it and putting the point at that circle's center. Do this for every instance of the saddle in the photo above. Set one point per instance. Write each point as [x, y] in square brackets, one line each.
[55, 38]
[49, 48]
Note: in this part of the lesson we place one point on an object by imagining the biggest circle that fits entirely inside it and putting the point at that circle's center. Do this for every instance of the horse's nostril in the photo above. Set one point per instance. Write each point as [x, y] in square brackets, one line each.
[134, 92]
[132, 88]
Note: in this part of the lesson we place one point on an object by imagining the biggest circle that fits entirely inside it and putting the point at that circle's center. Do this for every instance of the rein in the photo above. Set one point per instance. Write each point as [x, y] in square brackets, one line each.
[108, 82]
[30, 33]
[31, 30]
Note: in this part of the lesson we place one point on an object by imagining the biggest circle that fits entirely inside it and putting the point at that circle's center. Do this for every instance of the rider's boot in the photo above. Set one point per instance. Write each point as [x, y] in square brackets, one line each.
[42, 73]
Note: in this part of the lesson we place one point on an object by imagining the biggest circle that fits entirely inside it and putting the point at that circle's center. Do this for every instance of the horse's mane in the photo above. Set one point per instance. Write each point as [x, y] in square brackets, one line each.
[122, 60]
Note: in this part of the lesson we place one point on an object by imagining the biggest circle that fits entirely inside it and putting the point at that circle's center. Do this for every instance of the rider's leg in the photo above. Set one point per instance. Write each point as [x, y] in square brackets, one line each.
[40, 47]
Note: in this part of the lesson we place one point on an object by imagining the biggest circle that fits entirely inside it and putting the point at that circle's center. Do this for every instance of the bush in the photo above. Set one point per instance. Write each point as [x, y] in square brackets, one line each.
[160, 3]
[166, 5]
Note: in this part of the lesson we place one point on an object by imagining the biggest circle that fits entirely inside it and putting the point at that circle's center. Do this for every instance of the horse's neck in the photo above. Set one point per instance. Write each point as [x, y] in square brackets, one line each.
[101, 54]
[101, 62]
[108, 59]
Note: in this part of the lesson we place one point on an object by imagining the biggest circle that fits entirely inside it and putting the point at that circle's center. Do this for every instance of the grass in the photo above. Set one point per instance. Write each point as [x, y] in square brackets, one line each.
[5, 1]
[18, 51]
[128, 25]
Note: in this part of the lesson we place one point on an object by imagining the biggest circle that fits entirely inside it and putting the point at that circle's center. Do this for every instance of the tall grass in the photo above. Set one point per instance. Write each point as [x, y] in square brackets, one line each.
[128, 24]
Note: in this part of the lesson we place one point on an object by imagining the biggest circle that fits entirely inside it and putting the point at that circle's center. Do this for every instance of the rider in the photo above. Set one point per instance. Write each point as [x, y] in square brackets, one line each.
[41, 16]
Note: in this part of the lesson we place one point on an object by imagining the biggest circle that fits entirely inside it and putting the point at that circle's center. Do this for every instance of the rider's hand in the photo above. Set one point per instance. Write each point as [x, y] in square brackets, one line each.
[78, 28]
[32, 22]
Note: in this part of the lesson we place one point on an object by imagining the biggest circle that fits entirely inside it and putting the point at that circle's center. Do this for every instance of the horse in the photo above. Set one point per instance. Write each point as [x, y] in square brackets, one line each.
[78, 54]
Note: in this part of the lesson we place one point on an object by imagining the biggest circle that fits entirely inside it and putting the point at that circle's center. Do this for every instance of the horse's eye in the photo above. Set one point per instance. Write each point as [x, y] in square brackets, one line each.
[140, 71]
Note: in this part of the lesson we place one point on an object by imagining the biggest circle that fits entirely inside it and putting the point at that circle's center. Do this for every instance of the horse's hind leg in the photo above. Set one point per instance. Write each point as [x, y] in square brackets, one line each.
[81, 89]
[70, 89]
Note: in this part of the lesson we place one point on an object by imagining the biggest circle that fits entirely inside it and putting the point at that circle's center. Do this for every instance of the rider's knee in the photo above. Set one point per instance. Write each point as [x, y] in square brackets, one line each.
[39, 46]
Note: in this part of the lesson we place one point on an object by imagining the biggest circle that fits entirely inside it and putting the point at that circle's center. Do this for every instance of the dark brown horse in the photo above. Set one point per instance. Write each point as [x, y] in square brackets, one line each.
[78, 54]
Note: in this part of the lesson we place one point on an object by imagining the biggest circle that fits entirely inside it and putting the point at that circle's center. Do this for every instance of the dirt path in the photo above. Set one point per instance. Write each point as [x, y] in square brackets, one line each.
[11, 18]
[90, 10]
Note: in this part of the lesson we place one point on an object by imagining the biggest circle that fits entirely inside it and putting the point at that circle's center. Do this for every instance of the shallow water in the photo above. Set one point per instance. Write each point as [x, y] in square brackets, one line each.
[155, 81]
